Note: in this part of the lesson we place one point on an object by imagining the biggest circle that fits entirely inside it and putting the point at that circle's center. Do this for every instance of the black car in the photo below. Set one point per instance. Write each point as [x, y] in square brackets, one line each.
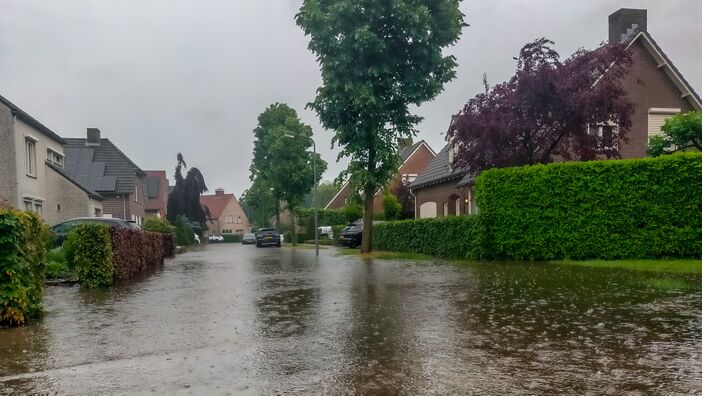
[351, 235]
[61, 230]
[267, 237]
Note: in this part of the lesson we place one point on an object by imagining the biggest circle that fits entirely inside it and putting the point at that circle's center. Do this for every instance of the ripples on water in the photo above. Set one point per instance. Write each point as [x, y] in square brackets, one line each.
[241, 319]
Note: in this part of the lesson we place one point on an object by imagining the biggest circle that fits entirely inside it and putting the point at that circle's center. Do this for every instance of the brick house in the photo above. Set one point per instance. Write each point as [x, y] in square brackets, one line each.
[97, 162]
[414, 158]
[226, 214]
[157, 193]
[32, 174]
[654, 85]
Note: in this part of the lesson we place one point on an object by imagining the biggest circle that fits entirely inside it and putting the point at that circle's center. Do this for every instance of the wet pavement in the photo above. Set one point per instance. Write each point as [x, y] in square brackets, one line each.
[241, 320]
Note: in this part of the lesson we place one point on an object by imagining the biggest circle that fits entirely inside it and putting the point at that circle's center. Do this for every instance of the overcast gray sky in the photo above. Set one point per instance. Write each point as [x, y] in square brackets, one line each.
[160, 77]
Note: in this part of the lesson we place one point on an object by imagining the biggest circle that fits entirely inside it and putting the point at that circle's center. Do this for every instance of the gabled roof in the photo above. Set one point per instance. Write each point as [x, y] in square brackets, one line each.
[103, 167]
[91, 193]
[217, 203]
[670, 70]
[404, 154]
[437, 171]
[29, 120]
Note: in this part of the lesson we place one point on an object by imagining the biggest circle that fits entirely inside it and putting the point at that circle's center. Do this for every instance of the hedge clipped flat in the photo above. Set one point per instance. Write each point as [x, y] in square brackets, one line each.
[642, 208]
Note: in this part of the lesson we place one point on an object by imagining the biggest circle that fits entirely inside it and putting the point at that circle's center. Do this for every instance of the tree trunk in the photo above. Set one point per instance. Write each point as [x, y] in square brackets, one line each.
[368, 218]
[294, 235]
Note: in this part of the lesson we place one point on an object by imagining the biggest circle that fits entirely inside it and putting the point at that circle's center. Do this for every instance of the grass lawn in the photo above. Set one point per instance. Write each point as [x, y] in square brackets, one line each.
[682, 266]
[303, 246]
[385, 255]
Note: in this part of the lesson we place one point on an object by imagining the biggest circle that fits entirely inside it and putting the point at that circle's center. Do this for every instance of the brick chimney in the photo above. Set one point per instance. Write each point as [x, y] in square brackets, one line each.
[219, 192]
[625, 23]
[93, 137]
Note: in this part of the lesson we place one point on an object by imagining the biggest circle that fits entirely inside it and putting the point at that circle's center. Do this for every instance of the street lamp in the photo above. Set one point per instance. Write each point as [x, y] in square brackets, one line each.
[292, 135]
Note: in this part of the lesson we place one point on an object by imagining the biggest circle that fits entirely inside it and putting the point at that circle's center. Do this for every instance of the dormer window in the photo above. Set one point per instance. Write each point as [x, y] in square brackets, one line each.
[55, 157]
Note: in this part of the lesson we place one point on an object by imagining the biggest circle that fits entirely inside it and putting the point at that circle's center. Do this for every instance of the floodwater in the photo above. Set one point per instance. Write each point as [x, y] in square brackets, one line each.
[235, 319]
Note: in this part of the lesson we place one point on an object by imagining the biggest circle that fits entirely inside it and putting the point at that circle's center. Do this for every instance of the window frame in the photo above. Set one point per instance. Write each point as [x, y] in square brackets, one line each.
[30, 152]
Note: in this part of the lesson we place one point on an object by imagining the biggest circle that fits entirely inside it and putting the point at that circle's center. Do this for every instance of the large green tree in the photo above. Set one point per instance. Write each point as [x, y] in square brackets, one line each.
[326, 191]
[377, 58]
[282, 157]
[259, 204]
[681, 132]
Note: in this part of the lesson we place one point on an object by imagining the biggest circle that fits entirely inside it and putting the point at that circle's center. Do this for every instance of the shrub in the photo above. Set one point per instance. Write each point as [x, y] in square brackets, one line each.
[599, 209]
[169, 245]
[232, 238]
[392, 207]
[352, 212]
[184, 232]
[57, 265]
[156, 224]
[136, 251]
[305, 217]
[23, 241]
[92, 255]
[449, 237]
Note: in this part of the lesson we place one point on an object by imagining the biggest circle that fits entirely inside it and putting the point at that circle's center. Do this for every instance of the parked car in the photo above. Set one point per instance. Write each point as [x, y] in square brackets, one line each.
[351, 235]
[249, 239]
[267, 237]
[61, 230]
[325, 230]
[216, 238]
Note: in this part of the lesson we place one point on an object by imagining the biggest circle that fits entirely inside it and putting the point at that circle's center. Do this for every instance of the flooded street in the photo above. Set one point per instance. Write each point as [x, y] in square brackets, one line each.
[241, 320]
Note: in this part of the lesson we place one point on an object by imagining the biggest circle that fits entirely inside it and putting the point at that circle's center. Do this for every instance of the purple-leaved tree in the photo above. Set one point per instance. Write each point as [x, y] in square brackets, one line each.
[551, 109]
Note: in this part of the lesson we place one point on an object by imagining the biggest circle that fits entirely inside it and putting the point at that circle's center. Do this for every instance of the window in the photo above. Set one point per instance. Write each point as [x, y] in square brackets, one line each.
[607, 133]
[30, 146]
[239, 220]
[229, 219]
[657, 118]
[409, 177]
[55, 157]
[33, 205]
[444, 209]
[458, 205]
[136, 192]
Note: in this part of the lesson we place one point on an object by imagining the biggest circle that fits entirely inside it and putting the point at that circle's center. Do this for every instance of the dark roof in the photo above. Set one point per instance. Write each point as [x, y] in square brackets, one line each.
[406, 152]
[103, 167]
[78, 184]
[29, 120]
[437, 171]
[152, 186]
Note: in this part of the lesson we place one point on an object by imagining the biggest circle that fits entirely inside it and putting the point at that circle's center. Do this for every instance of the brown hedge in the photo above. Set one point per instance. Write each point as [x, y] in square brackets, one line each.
[137, 251]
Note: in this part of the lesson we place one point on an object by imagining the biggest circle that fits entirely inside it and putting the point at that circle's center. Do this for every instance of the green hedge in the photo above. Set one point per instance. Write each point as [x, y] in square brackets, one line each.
[156, 224]
[232, 238]
[23, 242]
[450, 237]
[599, 209]
[92, 255]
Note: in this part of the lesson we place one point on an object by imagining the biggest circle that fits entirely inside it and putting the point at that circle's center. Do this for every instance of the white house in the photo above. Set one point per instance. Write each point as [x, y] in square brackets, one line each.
[32, 175]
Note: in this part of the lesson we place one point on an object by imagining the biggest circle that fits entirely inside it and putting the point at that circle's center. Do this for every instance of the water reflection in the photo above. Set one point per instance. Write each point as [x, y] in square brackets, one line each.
[281, 321]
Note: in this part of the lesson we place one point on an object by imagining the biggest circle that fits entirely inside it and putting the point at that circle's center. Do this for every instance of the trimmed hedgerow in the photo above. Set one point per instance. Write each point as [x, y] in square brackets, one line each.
[168, 232]
[23, 243]
[92, 255]
[599, 209]
[136, 251]
[449, 237]
[232, 238]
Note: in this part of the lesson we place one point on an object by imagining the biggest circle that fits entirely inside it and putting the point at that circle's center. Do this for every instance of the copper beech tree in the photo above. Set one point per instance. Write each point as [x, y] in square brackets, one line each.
[550, 109]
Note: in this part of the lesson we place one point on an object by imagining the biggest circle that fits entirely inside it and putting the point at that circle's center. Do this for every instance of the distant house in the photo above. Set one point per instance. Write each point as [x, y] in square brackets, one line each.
[157, 193]
[654, 85]
[414, 158]
[97, 162]
[32, 174]
[226, 214]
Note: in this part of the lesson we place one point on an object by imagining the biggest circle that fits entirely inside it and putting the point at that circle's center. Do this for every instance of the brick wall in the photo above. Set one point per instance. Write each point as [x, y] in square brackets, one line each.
[647, 87]
[8, 164]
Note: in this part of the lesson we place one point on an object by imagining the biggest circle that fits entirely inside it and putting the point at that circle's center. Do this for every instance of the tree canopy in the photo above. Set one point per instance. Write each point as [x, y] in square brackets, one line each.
[377, 59]
[282, 160]
[184, 200]
[326, 191]
[681, 132]
[544, 111]
[259, 204]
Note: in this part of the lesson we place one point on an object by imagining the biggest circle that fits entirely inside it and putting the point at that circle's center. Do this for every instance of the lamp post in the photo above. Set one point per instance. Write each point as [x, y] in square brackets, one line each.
[292, 135]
